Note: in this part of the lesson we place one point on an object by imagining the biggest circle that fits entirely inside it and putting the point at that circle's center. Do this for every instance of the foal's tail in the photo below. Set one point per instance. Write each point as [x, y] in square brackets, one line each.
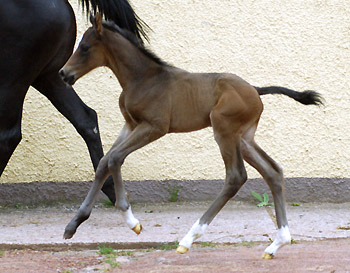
[305, 97]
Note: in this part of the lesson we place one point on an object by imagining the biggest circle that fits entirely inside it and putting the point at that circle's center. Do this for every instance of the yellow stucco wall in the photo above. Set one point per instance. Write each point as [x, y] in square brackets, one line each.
[297, 44]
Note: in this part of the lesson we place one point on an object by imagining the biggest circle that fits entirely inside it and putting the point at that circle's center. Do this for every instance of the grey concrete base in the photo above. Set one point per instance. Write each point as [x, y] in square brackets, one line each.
[333, 190]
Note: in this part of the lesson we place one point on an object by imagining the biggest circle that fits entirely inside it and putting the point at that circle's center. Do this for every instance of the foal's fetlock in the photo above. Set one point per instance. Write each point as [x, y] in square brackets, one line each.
[196, 231]
[283, 238]
[131, 221]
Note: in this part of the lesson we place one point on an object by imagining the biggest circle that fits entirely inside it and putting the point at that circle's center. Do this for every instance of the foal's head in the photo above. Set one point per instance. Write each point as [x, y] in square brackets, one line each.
[89, 54]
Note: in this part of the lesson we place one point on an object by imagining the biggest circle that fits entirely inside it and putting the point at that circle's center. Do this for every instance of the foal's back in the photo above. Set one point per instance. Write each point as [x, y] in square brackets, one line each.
[193, 96]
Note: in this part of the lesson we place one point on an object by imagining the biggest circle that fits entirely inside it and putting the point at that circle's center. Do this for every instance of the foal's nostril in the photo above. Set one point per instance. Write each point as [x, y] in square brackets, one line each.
[61, 73]
[70, 79]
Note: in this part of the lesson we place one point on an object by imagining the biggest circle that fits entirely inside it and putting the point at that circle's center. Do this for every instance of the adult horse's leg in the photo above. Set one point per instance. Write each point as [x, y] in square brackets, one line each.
[129, 140]
[273, 175]
[227, 136]
[11, 105]
[82, 117]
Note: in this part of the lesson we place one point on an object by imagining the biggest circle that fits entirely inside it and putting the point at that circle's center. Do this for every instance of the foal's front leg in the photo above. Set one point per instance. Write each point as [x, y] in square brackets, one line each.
[143, 134]
[85, 209]
[102, 172]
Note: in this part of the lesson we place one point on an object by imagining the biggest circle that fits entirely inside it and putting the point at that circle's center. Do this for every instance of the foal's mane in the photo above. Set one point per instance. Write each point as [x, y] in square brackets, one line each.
[135, 41]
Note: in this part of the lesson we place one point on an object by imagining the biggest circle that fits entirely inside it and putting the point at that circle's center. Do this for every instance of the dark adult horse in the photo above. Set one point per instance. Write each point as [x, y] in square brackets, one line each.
[37, 37]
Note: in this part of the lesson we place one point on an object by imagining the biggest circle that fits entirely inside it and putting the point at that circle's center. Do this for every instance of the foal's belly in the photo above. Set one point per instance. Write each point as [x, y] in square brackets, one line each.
[188, 119]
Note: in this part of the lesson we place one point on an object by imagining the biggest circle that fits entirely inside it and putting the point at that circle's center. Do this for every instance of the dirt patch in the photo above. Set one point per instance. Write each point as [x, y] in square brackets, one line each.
[44, 261]
[321, 256]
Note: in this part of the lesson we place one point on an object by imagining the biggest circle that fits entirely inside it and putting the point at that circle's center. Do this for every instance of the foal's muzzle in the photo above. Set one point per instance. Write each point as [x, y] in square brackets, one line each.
[69, 79]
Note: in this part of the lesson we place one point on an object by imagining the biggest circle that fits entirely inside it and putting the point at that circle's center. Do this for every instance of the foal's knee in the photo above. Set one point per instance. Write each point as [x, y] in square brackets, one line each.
[115, 161]
[102, 168]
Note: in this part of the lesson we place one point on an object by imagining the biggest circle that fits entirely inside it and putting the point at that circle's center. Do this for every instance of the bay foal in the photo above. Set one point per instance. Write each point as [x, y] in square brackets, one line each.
[158, 99]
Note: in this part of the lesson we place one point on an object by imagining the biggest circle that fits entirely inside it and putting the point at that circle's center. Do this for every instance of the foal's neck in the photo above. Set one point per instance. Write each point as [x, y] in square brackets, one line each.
[126, 61]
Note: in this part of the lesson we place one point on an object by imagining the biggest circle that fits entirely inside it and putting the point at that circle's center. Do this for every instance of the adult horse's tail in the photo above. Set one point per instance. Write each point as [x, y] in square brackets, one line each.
[305, 97]
[120, 12]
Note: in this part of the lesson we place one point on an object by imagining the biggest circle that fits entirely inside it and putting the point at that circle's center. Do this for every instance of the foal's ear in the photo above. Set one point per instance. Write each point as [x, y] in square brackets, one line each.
[96, 22]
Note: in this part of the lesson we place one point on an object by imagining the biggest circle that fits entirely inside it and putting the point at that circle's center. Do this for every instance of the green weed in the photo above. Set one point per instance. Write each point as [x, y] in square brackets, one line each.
[174, 193]
[112, 263]
[168, 246]
[247, 243]
[264, 200]
[208, 244]
[108, 203]
[106, 250]
[125, 253]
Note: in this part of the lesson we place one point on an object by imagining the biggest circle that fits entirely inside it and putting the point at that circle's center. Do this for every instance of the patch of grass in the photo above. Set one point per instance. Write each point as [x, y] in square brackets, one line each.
[2, 253]
[147, 250]
[108, 203]
[106, 250]
[67, 271]
[295, 204]
[112, 263]
[174, 193]
[264, 200]
[168, 246]
[208, 244]
[247, 243]
[111, 254]
[125, 253]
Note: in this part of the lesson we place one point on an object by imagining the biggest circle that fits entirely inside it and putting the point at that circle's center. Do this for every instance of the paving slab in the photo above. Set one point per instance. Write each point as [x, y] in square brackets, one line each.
[238, 222]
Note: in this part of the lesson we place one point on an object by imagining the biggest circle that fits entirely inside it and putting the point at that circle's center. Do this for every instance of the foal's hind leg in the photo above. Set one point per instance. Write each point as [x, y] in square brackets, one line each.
[273, 175]
[228, 139]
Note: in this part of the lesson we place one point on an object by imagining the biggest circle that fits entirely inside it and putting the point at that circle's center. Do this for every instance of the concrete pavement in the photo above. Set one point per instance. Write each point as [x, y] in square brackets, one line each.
[239, 222]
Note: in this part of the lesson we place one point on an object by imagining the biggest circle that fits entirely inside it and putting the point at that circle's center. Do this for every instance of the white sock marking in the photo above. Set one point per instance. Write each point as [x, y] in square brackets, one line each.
[129, 218]
[282, 238]
[195, 232]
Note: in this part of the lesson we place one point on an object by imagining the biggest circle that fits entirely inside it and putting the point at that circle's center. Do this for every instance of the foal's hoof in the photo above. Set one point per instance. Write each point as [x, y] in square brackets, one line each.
[68, 234]
[267, 256]
[181, 249]
[137, 229]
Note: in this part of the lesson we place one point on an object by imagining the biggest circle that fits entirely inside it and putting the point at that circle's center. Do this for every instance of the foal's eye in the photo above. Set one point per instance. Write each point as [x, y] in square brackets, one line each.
[84, 48]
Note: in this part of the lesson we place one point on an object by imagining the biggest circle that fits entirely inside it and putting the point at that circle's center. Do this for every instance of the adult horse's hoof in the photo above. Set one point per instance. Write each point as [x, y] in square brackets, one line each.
[137, 229]
[267, 256]
[181, 249]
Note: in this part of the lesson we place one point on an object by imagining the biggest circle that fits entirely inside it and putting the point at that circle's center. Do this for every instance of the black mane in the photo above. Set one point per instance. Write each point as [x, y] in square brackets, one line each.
[120, 12]
[134, 40]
